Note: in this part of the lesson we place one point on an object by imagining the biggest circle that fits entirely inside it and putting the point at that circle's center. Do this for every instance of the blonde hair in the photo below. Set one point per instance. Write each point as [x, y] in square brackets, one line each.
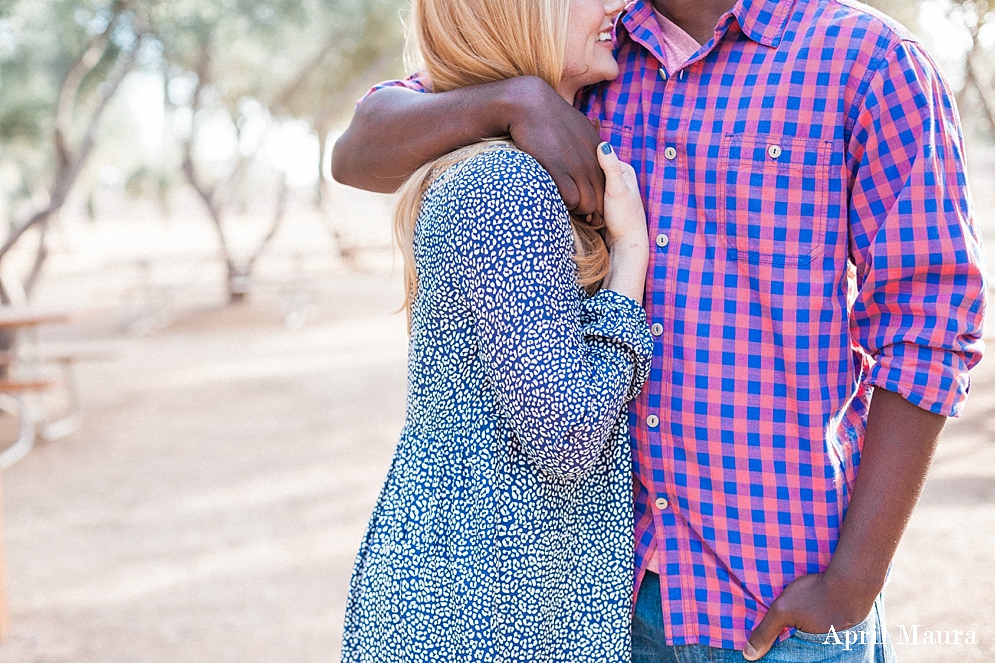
[456, 43]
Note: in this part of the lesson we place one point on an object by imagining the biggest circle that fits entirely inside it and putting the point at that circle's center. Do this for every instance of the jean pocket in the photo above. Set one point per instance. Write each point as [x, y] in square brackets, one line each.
[849, 637]
[773, 198]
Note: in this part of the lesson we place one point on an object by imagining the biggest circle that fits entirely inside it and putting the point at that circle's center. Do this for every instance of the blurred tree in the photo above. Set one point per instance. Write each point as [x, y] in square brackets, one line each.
[235, 73]
[61, 62]
[976, 16]
[244, 68]
[905, 11]
[976, 95]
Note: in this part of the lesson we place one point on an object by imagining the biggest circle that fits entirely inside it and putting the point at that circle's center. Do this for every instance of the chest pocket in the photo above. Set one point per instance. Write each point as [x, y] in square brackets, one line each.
[773, 198]
[619, 137]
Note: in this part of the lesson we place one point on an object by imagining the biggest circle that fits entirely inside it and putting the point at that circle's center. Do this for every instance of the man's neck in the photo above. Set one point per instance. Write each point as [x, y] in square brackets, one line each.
[698, 18]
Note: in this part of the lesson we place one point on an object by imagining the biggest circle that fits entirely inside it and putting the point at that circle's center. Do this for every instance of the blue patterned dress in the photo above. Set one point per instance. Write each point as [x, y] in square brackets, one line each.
[504, 530]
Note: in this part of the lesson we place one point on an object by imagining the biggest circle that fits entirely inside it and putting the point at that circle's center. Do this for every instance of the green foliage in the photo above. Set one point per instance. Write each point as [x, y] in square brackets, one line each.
[257, 48]
[291, 56]
[40, 41]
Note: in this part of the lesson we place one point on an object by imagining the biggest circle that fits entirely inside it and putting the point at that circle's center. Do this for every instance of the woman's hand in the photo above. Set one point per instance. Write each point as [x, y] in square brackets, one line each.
[625, 225]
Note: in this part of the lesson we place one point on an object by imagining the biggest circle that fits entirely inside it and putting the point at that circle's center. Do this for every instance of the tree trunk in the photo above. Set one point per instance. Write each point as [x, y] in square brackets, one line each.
[239, 283]
[320, 193]
[70, 160]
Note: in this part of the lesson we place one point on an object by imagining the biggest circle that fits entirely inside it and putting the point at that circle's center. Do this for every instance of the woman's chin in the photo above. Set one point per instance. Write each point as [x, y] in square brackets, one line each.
[609, 73]
[592, 77]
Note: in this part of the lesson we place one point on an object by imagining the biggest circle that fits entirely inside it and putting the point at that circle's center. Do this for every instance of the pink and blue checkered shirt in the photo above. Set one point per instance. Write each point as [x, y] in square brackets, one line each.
[813, 237]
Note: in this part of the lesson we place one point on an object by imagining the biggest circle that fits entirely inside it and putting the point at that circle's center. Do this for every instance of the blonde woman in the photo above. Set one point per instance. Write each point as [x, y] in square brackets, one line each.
[504, 530]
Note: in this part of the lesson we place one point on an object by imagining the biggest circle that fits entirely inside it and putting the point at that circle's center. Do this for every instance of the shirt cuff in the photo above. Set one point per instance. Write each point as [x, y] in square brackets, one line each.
[933, 379]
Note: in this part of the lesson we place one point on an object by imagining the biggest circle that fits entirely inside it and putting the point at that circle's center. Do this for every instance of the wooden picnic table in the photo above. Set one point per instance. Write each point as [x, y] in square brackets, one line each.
[15, 318]
[15, 390]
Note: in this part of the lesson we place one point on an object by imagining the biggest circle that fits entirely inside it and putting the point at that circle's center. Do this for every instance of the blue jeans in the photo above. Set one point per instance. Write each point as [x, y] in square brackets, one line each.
[860, 644]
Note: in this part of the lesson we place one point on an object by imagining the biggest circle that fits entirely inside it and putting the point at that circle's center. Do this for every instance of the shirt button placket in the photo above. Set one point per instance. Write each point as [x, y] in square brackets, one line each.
[662, 239]
[672, 176]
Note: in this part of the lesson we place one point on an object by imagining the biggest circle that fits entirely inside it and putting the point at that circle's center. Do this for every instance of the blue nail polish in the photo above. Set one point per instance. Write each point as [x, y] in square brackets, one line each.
[606, 148]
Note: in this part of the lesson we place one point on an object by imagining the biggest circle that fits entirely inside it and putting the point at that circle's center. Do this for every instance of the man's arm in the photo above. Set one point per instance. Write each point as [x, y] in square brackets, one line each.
[919, 312]
[396, 130]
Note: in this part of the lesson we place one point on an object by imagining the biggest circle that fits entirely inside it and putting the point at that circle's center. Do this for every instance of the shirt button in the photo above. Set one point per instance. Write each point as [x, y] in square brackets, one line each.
[663, 73]
[662, 240]
[652, 421]
[662, 503]
[682, 74]
[774, 151]
[656, 329]
[670, 153]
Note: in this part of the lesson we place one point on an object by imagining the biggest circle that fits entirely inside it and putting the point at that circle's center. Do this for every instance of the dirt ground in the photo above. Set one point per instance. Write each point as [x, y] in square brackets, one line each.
[210, 505]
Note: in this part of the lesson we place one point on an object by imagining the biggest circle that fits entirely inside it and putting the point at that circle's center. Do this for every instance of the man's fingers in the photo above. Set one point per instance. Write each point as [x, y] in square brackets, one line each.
[588, 199]
[581, 196]
[596, 220]
[764, 635]
[580, 179]
[590, 190]
[570, 193]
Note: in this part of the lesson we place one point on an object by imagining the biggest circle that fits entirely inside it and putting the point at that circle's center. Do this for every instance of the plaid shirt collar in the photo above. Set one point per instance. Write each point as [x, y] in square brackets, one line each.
[762, 21]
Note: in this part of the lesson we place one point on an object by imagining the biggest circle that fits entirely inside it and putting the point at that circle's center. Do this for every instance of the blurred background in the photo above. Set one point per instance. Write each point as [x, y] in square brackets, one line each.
[202, 371]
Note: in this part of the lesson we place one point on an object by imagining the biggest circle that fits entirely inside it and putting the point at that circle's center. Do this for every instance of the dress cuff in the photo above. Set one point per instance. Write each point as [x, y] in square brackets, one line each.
[618, 322]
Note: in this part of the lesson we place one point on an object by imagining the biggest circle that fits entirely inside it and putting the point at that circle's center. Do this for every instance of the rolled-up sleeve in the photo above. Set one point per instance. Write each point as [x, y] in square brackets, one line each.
[921, 277]
[414, 82]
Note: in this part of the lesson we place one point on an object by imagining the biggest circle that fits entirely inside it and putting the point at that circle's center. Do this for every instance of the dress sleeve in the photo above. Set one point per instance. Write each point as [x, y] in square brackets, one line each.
[921, 293]
[563, 366]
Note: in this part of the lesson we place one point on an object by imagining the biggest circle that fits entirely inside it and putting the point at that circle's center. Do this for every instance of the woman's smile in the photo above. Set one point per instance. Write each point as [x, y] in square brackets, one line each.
[589, 53]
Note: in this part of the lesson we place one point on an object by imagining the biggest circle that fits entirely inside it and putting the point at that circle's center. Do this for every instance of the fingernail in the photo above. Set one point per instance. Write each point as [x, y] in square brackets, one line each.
[749, 653]
[606, 148]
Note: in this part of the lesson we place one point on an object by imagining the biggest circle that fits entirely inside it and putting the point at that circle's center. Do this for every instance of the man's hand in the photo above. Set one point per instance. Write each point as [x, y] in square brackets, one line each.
[563, 140]
[813, 603]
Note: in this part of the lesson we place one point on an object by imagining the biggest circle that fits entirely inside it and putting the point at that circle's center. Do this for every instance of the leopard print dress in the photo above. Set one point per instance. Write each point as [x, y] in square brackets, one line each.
[504, 531]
